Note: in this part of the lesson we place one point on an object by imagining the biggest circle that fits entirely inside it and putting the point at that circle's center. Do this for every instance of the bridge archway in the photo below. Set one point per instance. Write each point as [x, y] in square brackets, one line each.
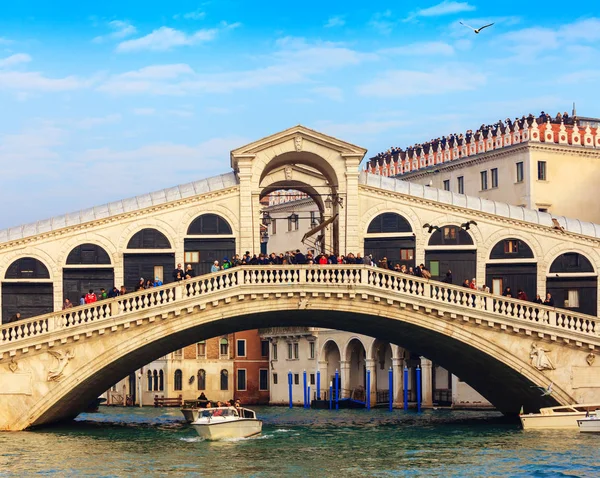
[209, 238]
[330, 354]
[573, 283]
[391, 235]
[87, 266]
[512, 264]
[451, 248]
[148, 256]
[356, 357]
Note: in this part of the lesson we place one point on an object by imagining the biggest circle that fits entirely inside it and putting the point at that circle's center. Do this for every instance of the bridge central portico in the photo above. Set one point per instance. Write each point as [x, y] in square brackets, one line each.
[53, 364]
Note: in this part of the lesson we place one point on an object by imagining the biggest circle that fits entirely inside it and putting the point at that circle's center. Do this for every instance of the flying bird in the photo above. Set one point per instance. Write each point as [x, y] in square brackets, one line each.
[431, 228]
[476, 30]
[545, 391]
[467, 225]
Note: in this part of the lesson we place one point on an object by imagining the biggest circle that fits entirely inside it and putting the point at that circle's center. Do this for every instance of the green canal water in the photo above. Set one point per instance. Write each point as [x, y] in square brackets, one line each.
[127, 442]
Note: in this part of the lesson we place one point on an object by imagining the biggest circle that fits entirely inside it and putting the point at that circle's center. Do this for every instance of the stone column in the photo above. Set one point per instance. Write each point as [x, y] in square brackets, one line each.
[398, 373]
[345, 374]
[349, 234]
[371, 365]
[426, 383]
[246, 225]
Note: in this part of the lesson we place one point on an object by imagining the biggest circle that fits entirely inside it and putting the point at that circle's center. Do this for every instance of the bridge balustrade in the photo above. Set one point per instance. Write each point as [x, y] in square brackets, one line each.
[308, 275]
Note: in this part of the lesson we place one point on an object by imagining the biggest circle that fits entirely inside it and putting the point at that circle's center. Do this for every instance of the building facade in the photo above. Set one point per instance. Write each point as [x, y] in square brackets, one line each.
[251, 368]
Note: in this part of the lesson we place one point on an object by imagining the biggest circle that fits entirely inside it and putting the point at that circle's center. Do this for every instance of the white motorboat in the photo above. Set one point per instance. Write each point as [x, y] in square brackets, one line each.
[590, 424]
[561, 417]
[227, 422]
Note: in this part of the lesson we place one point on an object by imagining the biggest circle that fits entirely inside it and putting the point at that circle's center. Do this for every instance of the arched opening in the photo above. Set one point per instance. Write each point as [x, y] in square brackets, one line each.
[356, 380]
[143, 261]
[390, 236]
[26, 291]
[150, 376]
[88, 267]
[332, 356]
[382, 354]
[511, 265]
[178, 380]
[161, 380]
[224, 380]
[215, 243]
[201, 379]
[451, 248]
[573, 283]
[156, 383]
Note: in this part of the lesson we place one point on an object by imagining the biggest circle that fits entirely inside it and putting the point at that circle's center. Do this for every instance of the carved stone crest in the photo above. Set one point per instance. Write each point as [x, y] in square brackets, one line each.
[13, 366]
[303, 303]
[539, 359]
[288, 173]
[57, 374]
[298, 143]
[590, 359]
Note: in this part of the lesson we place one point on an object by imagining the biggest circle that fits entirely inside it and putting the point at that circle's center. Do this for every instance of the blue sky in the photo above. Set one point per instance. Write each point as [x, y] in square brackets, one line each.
[107, 100]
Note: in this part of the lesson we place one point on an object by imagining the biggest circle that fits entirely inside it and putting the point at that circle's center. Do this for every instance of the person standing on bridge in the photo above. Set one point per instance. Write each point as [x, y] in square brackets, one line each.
[90, 297]
[178, 273]
[189, 272]
[215, 267]
[67, 304]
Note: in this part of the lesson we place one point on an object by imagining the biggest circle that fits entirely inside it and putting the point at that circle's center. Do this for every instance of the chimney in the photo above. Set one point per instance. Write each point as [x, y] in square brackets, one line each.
[574, 112]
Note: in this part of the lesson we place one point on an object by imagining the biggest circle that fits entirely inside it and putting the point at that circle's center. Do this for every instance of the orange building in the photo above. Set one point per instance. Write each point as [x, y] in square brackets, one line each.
[251, 368]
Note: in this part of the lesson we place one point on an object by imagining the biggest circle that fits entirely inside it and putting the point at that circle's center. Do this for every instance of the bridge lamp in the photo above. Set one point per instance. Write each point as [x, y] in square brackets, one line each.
[266, 219]
[336, 200]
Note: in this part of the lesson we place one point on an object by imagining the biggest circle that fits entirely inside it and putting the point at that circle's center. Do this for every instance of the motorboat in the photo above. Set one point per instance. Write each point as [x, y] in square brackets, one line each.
[589, 424]
[561, 417]
[191, 409]
[226, 423]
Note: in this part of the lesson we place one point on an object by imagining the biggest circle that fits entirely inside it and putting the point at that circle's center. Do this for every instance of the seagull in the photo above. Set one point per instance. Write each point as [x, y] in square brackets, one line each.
[431, 228]
[476, 30]
[545, 391]
[467, 225]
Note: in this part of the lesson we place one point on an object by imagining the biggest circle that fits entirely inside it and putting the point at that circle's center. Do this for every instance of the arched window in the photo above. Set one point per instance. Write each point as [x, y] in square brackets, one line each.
[27, 268]
[209, 224]
[389, 222]
[88, 254]
[224, 347]
[201, 379]
[224, 380]
[511, 249]
[149, 239]
[178, 385]
[156, 386]
[571, 262]
[450, 236]
[161, 380]
[150, 380]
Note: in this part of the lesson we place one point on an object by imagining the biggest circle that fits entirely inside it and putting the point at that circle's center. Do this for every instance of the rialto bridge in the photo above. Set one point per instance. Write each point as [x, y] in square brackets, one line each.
[53, 364]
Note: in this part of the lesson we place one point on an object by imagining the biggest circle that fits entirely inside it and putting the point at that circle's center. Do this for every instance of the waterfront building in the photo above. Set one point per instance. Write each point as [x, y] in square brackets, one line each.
[251, 368]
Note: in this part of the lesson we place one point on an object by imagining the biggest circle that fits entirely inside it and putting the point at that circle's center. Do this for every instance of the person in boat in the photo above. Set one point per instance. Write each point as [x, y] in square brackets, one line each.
[219, 411]
[208, 405]
[202, 397]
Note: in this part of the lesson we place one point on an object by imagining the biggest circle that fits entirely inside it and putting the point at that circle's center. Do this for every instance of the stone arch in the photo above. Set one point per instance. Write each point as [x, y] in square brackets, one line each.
[95, 239]
[302, 187]
[368, 216]
[212, 208]
[38, 265]
[402, 223]
[219, 218]
[35, 253]
[502, 234]
[447, 220]
[307, 158]
[563, 248]
[157, 224]
[344, 349]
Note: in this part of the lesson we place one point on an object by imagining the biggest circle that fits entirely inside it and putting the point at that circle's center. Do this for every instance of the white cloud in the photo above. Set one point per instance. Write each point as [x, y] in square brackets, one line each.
[14, 60]
[195, 15]
[92, 122]
[421, 49]
[444, 8]
[399, 83]
[166, 38]
[143, 111]
[382, 22]
[24, 81]
[120, 29]
[332, 92]
[335, 22]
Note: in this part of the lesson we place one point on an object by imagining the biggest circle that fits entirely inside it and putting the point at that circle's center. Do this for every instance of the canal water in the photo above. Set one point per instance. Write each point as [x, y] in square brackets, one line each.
[153, 442]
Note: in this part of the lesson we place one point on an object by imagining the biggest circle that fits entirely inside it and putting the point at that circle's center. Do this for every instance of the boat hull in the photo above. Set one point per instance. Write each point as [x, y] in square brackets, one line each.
[589, 425]
[566, 421]
[190, 414]
[229, 429]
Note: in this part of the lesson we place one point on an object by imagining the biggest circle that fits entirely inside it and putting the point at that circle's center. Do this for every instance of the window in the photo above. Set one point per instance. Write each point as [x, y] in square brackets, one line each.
[572, 299]
[155, 376]
[495, 177]
[293, 223]
[449, 233]
[447, 185]
[178, 380]
[289, 347]
[484, 180]
[263, 379]
[241, 348]
[274, 379]
[407, 254]
[264, 348]
[201, 379]
[520, 172]
[313, 219]
[224, 348]
[201, 349]
[543, 209]
[497, 286]
[158, 272]
[149, 380]
[542, 170]
[193, 256]
[311, 350]
[241, 379]
[273, 227]
[312, 378]
[461, 184]
[434, 268]
[224, 380]
[511, 247]
[178, 354]
[296, 350]
[161, 380]
[296, 379]
[274, 349]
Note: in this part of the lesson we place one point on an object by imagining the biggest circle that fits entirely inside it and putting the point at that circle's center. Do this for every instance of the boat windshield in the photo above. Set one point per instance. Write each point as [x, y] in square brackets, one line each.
[219, 412]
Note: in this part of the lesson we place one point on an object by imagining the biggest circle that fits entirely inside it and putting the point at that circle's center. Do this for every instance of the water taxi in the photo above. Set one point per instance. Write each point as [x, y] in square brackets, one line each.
[191, 409]
[562, 417]
[227, 422]
[590, 424]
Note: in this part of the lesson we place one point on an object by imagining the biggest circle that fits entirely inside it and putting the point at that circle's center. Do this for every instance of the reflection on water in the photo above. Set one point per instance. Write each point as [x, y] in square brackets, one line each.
[298, 442]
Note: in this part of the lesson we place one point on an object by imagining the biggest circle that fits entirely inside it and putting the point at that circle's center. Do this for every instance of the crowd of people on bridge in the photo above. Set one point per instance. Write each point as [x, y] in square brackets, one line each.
[454, 139]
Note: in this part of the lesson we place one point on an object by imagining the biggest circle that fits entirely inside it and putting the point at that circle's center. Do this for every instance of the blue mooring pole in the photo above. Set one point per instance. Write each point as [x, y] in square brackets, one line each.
[290, 387]
[418, 389]
[308, 397]
[330, 395]
[391, 385]
[405, 398]
[368, 391]
[304, 386]
[337, 390]
[318, 385]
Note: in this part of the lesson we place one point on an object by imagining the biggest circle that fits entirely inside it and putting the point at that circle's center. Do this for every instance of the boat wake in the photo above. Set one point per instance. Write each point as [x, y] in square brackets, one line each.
[255, 437]
[192, 439]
